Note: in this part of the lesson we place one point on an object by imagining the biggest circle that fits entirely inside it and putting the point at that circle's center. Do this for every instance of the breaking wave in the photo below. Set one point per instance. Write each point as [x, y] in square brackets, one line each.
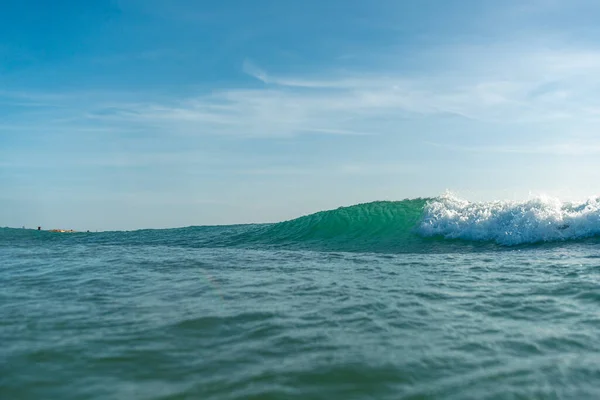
[441, 224]
[542, 219]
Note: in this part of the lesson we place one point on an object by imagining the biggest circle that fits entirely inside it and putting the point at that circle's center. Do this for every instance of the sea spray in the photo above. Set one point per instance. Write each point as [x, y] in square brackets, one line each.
[542, 219]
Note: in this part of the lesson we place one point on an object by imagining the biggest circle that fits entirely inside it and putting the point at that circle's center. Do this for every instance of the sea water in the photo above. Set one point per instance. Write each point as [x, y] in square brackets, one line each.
[417, 299]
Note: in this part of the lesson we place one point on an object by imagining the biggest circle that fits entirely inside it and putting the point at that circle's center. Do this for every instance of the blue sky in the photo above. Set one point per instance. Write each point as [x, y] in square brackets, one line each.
[136, 114]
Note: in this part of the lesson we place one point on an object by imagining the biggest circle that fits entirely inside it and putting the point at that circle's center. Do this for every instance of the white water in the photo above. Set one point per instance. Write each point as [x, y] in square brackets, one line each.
[541, 219]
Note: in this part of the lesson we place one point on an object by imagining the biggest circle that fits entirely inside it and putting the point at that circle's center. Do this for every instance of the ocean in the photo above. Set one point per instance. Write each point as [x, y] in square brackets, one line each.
[435, 298]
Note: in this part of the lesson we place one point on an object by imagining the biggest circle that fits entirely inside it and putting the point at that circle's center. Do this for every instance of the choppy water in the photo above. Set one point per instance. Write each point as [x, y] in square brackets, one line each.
[420, 299]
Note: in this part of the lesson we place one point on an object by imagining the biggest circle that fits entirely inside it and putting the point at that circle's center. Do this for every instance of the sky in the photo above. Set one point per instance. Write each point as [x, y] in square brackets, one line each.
[127, 114]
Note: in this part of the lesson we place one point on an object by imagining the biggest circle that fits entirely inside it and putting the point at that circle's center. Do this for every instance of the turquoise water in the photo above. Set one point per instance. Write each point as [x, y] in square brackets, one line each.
[417, 299]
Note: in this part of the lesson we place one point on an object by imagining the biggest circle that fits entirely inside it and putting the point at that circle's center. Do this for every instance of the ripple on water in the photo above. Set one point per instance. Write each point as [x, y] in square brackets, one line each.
[165, 322]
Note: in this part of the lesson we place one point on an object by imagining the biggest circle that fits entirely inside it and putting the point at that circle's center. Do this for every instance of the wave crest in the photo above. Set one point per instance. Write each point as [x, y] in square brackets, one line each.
[541, 219]
[406, 226]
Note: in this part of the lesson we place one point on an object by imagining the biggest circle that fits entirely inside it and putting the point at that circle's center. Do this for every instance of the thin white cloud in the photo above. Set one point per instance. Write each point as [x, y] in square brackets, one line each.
[117, 159]
[254, 71]
[529, 86]
[355, 169]
[491, 84]
[557, 149]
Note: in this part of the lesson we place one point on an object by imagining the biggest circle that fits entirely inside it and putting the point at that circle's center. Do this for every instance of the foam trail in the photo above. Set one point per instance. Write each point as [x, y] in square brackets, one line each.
[542, 219]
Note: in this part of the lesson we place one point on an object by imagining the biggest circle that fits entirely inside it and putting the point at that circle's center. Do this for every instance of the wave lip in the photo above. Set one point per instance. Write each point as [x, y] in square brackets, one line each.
[542, 219]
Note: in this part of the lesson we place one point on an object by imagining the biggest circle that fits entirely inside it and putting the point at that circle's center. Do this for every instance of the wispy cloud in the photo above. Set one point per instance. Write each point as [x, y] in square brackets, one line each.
[557, 149]
[253, 70]
[334, 169]
[543, 86]
[498, 84]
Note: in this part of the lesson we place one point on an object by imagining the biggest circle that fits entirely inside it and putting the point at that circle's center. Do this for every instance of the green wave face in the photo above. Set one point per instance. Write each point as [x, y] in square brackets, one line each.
[441, 224]
[382, 226]
[377, 226]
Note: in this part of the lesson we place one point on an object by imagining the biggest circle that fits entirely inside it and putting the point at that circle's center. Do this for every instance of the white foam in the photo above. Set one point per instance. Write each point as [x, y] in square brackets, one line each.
[541, 219]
